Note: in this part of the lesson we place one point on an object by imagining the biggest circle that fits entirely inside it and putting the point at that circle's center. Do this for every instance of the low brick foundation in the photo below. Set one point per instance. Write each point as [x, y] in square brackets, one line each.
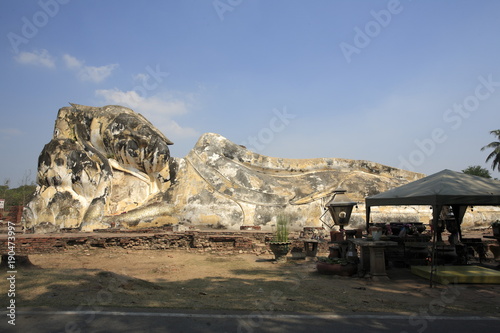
[202, 241]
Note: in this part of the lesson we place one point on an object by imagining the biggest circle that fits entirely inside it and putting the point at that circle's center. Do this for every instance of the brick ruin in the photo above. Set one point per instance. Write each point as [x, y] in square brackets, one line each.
[207, 241]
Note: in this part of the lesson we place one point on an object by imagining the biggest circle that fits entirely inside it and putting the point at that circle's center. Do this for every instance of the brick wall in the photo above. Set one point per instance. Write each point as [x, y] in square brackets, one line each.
[14, 214]
[201, 241]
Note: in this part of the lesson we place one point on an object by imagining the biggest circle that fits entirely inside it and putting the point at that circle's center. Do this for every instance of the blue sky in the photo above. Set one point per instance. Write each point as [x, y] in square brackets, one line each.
[412, 84]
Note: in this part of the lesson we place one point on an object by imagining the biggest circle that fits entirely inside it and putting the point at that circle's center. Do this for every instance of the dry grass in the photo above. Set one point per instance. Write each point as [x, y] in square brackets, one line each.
[175, 279]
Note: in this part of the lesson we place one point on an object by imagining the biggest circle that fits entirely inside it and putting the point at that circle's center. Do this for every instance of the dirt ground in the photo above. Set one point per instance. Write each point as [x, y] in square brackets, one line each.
[113, 277]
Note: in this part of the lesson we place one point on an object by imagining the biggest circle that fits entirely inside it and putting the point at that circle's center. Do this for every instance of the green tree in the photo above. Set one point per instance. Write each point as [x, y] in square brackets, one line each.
[494, 156]
[17, 196]
[477, 170]
[4, 188]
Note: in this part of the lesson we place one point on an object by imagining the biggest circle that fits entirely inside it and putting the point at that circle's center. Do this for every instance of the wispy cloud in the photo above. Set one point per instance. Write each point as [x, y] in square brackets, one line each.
[8, 133]
[96, 74]
[157, 108]
[88, 73]
[37, 58]
[71, 62]
[43, 58]
[141, 77]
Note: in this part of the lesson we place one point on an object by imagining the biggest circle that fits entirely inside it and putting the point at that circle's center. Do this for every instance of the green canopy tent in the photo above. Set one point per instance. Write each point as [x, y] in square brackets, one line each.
[445, 188]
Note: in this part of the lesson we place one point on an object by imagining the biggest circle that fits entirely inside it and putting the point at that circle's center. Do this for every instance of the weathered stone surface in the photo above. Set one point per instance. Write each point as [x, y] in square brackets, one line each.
[251, 189]
[110, 167]
[101, 161]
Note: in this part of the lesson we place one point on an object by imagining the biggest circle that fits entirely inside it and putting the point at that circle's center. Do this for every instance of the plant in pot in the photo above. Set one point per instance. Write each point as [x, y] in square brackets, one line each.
[280, 245]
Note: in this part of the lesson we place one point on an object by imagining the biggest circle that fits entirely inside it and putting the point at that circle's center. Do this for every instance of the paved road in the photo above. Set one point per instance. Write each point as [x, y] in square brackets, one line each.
[146, 321]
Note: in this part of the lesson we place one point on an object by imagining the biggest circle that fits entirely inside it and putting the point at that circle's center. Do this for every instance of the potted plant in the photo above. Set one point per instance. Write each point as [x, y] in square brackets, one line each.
[280, 245]
[496, 228]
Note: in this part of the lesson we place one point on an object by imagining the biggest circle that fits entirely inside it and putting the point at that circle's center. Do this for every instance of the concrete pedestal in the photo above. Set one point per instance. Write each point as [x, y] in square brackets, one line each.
[377, 261]
[373, 255]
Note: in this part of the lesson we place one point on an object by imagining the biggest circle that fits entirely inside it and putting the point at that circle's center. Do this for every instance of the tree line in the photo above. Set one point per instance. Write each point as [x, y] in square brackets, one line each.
[19, 196]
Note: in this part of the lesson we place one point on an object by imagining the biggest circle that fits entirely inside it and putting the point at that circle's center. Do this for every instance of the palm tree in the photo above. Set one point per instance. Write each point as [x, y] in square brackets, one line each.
[495, 154]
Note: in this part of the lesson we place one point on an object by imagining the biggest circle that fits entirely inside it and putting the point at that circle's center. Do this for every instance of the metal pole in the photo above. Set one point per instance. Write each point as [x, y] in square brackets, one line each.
[436, 211]
[433, 253]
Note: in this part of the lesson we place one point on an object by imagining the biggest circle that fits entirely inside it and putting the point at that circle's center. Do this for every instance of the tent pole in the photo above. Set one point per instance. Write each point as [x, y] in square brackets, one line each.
[367, 217]
[436, 211]
[433, 255]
